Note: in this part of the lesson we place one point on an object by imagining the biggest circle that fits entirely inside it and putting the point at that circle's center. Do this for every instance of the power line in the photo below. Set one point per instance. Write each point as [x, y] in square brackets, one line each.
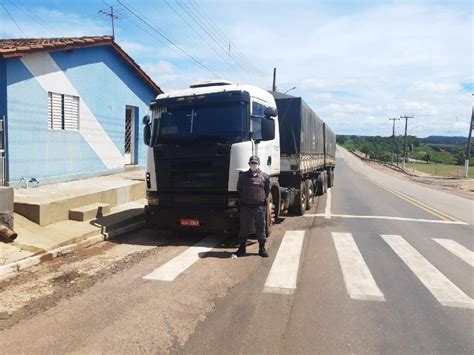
[201, 36]
[224, 37]
[203, 26]
[219, 32]
[9, 14]
[20, 6]
[183, 51]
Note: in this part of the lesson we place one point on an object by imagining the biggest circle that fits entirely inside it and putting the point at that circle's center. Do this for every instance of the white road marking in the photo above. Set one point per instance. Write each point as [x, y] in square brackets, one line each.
[447, 293]
[388, 217]
[359, 282]
[173, 268]
[327, 212]
[284, 272]
[457, 249]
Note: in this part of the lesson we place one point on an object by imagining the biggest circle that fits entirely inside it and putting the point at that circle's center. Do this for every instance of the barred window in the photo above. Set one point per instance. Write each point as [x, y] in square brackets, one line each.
[63, 112]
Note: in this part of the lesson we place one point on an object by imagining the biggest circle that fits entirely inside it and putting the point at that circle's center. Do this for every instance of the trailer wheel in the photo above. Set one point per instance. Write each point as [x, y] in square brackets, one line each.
[330, 174]
[300, 203]
[325, 182]
[270, 216]
[320, 185]
[309, 194]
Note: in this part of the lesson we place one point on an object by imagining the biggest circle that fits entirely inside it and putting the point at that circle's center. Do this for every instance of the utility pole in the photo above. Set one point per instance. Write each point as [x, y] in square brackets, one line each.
[274, 88]
[405, 141]
[393, 138]
[468, 148]
[110, 13]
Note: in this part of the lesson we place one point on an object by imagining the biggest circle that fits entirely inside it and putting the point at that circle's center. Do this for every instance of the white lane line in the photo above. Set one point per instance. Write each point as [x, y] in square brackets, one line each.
[387, 217]
[457, 249]
[359, 282]
[284, 272]
[327, 212]
[173, 268]
[447, 293]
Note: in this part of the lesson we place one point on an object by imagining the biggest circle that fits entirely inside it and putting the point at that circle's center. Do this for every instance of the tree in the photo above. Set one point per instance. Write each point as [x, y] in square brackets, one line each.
[460, 157]
[427, 157]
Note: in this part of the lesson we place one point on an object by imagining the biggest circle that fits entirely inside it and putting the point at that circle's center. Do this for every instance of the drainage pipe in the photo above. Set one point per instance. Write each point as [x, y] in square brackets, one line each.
[7, 233]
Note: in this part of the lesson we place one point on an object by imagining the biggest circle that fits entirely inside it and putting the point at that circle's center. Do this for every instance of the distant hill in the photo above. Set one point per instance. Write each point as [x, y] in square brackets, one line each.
[444, 140]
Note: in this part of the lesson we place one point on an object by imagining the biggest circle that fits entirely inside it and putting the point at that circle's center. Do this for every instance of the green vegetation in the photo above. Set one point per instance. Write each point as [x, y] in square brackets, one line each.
[429, 155]
[440, 169]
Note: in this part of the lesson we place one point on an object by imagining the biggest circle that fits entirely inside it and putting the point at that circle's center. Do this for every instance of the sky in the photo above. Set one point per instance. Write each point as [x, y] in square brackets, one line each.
[356, 63]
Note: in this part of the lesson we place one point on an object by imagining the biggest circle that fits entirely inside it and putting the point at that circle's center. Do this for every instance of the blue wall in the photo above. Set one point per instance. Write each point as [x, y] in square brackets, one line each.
[104, 82]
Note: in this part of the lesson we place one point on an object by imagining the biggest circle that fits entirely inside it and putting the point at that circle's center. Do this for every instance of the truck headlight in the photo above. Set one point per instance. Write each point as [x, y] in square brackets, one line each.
[232, 202]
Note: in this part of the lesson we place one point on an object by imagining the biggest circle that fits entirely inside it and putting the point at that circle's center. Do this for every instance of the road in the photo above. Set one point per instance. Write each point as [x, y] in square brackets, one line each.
[367, 270]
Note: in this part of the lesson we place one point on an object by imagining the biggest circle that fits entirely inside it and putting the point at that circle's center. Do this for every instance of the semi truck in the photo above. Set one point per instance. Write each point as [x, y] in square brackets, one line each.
[200, 139]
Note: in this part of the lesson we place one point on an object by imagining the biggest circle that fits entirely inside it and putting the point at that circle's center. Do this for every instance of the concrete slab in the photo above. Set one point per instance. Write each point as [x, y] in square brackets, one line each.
[85, 213]
[34, 240]
[50, 204]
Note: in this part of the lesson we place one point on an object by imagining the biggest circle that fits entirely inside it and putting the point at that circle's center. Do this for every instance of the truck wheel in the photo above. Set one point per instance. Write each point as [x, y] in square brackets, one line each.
[330, 174]
[270, 215]
[300, 203]
[325, 182]
[320, 185]
[309, 194]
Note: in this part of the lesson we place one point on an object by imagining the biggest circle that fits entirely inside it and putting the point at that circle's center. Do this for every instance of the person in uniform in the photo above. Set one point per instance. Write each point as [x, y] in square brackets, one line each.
[253, 188]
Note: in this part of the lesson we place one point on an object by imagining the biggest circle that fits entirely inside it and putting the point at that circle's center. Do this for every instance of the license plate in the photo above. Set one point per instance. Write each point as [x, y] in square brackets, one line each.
[190, 222]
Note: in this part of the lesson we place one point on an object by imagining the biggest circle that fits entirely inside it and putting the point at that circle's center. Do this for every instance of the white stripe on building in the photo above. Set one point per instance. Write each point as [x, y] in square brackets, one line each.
[52, 79]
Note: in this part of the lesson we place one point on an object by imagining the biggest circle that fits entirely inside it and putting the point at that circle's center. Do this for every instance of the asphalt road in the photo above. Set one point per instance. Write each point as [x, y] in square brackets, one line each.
[363, 276]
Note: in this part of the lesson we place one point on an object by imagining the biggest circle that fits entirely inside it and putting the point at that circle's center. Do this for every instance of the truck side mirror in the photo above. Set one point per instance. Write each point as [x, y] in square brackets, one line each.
[268, 129]
[270, 112]
[146, 130]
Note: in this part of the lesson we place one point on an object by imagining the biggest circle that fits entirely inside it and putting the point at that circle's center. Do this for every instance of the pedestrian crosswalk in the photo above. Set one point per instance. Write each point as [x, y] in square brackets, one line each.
[359, 280]
[447, 293]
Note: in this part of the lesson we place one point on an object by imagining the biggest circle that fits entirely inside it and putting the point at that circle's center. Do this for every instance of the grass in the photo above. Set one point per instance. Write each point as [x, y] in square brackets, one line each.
[445, 170]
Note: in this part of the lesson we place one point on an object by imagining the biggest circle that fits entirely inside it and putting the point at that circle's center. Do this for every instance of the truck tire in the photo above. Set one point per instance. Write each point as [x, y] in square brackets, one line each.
[330, 174]
[270, 216]
[325, 182]
[309, 194]
[300, 203]
[320, 185]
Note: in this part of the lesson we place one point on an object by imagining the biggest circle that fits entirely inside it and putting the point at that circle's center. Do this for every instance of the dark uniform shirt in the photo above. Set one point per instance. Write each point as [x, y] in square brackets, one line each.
[253, 188]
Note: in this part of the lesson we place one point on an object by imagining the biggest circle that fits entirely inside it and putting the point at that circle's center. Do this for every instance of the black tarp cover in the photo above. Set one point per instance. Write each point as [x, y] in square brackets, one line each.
[301, 130]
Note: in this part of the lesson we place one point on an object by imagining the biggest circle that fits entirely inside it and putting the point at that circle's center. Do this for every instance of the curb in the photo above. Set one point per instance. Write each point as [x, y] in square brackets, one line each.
[39, 258]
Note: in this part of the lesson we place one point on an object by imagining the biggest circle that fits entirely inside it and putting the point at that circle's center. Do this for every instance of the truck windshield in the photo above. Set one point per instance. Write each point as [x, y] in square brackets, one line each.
[224, 123]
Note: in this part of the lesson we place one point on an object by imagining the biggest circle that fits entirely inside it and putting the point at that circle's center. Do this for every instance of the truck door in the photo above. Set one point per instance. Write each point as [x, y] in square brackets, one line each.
[267, 151]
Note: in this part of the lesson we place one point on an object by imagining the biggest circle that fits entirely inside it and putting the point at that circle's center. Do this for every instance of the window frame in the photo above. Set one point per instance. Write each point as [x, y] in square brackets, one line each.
[68, 118]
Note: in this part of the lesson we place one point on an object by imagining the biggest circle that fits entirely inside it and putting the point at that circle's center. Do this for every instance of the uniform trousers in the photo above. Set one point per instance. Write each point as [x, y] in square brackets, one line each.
[250, 216]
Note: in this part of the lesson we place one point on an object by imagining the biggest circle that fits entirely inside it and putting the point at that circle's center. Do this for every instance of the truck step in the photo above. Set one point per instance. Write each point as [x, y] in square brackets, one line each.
[91, 211]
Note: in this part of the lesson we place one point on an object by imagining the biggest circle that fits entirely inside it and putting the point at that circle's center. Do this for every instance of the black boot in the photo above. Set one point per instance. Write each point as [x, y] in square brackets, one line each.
[242, 250]
[261, 250]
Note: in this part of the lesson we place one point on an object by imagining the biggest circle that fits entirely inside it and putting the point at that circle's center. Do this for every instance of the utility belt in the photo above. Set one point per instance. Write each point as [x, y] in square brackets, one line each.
[252, 205]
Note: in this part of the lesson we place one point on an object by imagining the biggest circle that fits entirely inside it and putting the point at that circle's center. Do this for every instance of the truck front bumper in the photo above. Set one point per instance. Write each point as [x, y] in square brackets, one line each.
[213, 221]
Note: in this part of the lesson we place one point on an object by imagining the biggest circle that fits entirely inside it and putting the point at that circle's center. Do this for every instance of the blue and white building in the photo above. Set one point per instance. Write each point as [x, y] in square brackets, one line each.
[70, 108]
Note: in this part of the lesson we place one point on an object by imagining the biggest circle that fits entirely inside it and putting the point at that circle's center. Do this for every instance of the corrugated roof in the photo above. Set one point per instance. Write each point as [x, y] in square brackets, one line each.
[18, 47]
